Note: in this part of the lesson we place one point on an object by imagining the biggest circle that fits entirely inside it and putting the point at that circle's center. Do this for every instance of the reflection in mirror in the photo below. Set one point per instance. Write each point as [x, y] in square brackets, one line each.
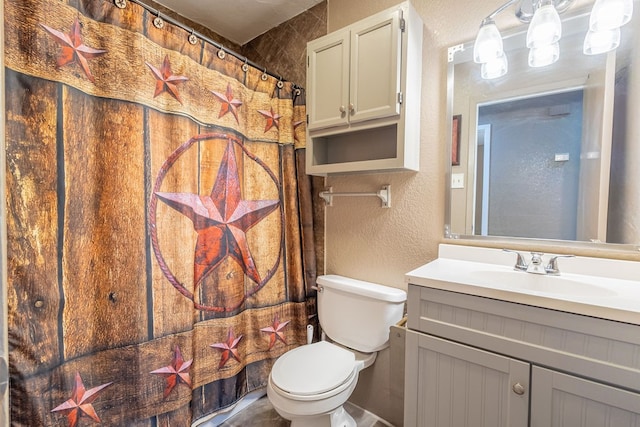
[550, 152]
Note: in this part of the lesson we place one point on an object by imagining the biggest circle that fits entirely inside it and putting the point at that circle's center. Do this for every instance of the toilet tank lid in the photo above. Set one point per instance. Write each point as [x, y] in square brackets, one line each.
[360, 287]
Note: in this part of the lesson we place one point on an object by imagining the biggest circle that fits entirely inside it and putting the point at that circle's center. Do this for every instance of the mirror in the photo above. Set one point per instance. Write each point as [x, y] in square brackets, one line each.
[547, 153]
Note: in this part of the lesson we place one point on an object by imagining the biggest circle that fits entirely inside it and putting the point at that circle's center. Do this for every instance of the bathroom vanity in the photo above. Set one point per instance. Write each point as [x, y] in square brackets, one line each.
[490, 346]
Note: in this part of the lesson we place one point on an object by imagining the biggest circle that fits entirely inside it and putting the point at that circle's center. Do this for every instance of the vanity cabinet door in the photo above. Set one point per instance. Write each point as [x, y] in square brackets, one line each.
[453, 385]
[561, 400]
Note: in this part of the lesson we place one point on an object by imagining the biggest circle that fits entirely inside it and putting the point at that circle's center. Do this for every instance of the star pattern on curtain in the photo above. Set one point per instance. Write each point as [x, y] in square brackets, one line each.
[80, 403]
[275, 331]
[176, 372]
[73, 48]
[222, 220]
[296, 125]
[273, 119]
[229, 348]
[229, 103]
[166, 81]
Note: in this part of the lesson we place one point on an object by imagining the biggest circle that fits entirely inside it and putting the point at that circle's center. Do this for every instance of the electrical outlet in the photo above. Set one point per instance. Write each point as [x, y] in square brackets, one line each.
[457, 180]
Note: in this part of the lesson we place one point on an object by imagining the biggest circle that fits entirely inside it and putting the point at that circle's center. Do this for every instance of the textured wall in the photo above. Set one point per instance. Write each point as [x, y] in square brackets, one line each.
[283, 51]
[199, 28]
[381, 245]
[370, 243]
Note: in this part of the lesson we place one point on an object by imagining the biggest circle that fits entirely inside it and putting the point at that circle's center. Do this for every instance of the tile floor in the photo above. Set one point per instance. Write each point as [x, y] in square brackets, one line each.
[262, 414]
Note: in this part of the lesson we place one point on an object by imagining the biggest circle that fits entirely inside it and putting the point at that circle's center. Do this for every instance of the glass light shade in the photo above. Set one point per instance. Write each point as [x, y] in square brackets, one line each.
[597, 42]
[495, 68]
[543, 56]
[545, 27]
[610, 14]
[488, 45]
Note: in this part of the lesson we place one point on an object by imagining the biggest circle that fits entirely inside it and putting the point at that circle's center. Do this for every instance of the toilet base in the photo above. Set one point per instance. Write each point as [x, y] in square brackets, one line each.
[337, 418]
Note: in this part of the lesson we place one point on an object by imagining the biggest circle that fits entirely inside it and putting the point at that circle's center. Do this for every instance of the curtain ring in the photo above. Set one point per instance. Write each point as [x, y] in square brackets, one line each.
[158, 22]
[120, 4]
[296, 91]
[245, 66]
[221, 53]
[280, 83]
[193, 39]
[264, 76]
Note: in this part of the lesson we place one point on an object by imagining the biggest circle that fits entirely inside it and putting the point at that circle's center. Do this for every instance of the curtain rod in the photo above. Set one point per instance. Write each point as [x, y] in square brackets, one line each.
[201, 36]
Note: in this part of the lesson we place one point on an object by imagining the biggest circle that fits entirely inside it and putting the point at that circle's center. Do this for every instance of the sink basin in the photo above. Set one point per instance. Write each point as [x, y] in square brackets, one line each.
[539, 283]
[596, 287]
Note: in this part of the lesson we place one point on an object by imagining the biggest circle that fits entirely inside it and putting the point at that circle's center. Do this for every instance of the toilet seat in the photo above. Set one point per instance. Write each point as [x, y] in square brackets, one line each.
[313, 369]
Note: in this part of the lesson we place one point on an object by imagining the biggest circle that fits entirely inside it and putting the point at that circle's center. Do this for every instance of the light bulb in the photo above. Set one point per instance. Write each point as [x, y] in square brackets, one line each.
[610, 14]
[597, 42]
[545, 27]
[488, 44]
[543, 56]
[498, 67]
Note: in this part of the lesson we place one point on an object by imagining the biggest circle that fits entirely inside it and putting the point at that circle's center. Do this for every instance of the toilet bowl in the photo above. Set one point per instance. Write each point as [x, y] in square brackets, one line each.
[310, 384]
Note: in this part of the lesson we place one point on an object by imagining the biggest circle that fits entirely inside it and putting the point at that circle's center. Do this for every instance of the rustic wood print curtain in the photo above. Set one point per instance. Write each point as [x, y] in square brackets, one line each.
[155, 236]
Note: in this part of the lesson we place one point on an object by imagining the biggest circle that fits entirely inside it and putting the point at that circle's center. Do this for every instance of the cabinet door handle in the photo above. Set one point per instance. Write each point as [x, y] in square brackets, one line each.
[518, 389]
[352, 108]
[342, 109]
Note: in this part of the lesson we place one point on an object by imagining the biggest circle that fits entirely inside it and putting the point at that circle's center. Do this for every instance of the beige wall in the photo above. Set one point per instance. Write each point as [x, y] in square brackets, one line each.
[381, 245]
[367, 242]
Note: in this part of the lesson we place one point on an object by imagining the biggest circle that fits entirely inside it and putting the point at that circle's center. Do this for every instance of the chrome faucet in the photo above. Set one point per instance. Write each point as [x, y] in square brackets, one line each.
[552, 265]
[535, 266]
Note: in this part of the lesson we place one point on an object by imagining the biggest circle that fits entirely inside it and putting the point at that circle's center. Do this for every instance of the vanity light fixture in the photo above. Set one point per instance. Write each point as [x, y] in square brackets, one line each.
[495, 68]
[607, 16]
[545, 28]
[488, 45]
[545, 31]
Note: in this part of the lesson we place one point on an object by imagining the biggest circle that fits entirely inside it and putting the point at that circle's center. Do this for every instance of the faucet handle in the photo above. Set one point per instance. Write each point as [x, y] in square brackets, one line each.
[520, 264]
[552, 266]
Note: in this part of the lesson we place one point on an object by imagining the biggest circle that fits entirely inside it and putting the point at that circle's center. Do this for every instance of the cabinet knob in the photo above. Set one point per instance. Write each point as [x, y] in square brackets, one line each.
[352, 108]
[518, 389]
[342, 109]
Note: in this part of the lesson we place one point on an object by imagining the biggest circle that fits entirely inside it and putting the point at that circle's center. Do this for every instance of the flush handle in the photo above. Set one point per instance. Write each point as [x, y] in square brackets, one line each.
[518, 389]
[4, 377]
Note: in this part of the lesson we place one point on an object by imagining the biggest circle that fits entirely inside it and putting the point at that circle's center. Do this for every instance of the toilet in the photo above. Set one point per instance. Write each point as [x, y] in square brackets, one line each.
[310, 384]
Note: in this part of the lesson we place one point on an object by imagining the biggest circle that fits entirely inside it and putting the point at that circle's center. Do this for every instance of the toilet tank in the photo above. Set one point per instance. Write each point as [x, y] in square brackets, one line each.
[358, 314]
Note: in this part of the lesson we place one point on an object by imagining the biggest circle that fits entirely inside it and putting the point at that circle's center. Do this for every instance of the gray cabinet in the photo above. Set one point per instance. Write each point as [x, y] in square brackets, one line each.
[461, 386]
[474, 361]
[561, 400]
[363, 95]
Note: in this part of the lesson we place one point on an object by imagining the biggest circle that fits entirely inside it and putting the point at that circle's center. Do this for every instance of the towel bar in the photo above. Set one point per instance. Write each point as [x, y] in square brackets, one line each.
[384, 195]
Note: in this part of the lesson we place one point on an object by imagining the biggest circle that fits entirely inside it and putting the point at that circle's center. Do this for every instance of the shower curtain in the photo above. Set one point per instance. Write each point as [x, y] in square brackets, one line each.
[158, 218]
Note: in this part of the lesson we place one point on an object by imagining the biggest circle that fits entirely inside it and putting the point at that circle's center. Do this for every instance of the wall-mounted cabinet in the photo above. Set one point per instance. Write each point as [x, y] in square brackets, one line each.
[363, 99]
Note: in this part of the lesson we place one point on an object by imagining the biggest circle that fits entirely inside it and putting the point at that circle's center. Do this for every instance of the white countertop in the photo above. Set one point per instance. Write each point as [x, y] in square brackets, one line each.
[608, 289]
